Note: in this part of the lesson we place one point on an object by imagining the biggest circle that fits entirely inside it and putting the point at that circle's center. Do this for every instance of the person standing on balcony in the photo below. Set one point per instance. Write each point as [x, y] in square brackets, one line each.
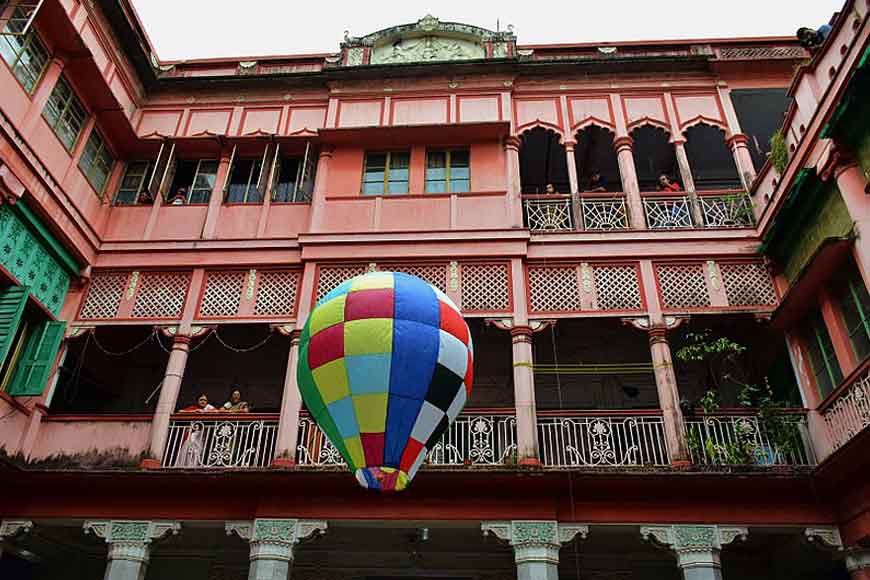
[236, 404]
[202, 406]
[596, 183]
[180, 197]
[550, 189]
[144, 198]
[665, 184]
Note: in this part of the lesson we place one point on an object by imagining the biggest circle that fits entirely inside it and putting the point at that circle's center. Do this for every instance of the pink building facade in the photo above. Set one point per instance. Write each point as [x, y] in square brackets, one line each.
[671, 380]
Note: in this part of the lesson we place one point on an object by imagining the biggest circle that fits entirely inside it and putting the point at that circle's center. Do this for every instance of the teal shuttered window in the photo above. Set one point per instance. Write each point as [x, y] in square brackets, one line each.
[32, 371]
[12, 302]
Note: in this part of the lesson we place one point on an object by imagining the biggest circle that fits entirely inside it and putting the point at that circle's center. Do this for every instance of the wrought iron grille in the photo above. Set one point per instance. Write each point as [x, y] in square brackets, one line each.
[850, 414]
[733, 440]
[222, 294]
[604, 213]
[207, 443]
[601, 441]
[485, 287]
[668, 213]
[747, 284]
[547, 215]
[727, 211]
[104, 295]
[683, 286]
[161, 294]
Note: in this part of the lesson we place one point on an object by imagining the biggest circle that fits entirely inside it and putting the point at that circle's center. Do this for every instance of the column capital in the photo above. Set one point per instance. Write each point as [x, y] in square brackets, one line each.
[621, 143]
[695, 545]
[825, 536]
[326, 151]
[512, 142]
[9, 528]
[737, 140]
[273, 539]
[130, 539]
[535, 540]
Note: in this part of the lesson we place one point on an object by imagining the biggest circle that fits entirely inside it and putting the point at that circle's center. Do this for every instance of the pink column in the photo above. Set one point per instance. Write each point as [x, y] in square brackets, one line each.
[742, 159]
[524, 396]
[216, 201]
[688, 181]
[852, 187]
[513, 186]
[574, 183]
[318, 196]
[858, 563]
[628, 176]
[291, 404]
[669, 396]
[168, 399]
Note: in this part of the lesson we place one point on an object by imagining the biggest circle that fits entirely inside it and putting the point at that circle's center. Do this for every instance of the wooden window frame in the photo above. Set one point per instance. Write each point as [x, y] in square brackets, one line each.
[812, 331]
[71, 100]
[149, 168]
[387, 168]
[252, 184]
[448, 183]
[102, 149]
[25, 44]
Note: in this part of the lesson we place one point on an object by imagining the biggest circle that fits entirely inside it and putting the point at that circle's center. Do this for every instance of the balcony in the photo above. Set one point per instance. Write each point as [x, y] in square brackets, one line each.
[847, 411]
[740, 439]
[221, 441]
[548, 213]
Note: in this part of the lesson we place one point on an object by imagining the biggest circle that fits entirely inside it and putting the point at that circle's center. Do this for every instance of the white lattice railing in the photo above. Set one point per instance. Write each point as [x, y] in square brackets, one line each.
[210, 441]
[727, 211]
[742, 439]
[668, 213]
[471, 440]
[545, 214]
[602, 441]
[850, 413]
[607, 213]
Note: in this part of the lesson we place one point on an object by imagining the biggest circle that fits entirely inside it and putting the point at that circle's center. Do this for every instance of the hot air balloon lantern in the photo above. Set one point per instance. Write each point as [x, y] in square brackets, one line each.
[385, 366]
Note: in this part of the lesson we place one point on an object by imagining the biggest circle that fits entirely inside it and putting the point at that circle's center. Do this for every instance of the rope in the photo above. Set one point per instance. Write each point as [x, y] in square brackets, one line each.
[243, 349]
[592, 369]
[107, 352]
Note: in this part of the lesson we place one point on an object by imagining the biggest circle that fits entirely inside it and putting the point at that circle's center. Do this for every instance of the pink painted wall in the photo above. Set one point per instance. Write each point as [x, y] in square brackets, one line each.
[71, 438]
[126, 223]
[238, 221]
[287, 219]
[179, 222]
[12, 426]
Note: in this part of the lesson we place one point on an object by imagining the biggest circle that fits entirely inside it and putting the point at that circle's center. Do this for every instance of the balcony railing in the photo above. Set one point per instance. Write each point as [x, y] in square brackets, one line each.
[546, 213]
[668, 213]
[473, 439]
[743, 440]
[213, 441]
[604, 213]
[849, 414]
[727, 211]
[602, 440]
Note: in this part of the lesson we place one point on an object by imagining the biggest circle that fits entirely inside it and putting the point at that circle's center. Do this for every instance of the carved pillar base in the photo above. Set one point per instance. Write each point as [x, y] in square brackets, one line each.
[129, 544]
[536, 544]
[272, 542]
[697, 547]
[11, 528]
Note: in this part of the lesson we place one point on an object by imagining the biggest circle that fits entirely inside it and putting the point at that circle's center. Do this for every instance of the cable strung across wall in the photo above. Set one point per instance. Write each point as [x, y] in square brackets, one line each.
[590, 369]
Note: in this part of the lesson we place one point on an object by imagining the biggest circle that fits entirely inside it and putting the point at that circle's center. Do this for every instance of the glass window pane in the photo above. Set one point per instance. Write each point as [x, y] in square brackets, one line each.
[459, 158]
[399, 161]
[376, 160]
[436, 186]
[398, 174]
[374, 176]
[460, 185]
[397, 187]
[436, 159]
[374, 188]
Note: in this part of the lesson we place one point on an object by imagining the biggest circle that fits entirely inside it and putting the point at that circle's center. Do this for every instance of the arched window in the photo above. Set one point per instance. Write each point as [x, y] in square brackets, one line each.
[653, 155]
[543, 161]
[710, 159]
[594, 152]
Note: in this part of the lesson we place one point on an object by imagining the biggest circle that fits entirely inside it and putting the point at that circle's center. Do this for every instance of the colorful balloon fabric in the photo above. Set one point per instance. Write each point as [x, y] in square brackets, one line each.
[385, 365]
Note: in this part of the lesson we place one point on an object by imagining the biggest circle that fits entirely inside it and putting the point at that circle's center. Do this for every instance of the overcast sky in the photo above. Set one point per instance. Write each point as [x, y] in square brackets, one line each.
[183, 29]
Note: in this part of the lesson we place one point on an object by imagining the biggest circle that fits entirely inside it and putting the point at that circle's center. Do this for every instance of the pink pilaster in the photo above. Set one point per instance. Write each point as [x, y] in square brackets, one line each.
[853, 188]
[168, 399]
[818, 431]
[669, 396]
[216, 200]
[318, 196]
[291, 404]
[838, 332]
[742, 159]
[513, 186]
[688, 181]
[524, 395]
[630, 187]
[574, 182]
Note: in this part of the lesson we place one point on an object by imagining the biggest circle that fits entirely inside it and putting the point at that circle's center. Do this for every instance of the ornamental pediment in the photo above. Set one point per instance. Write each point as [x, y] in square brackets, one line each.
[427, 40]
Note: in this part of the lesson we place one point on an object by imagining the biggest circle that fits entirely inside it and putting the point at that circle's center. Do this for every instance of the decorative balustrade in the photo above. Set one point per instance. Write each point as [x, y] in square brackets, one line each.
[606, 213]
[549, 213]
[602, 440]
[471, 440]
[849, 414]
[213, 441]
[744, 440]
[668, 213]
[727, 211]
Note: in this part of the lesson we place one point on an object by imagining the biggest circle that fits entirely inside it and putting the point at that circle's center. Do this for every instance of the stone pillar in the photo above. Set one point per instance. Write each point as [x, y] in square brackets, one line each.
[630, 186]
[536, 544]
[688, 182]
[168, 400]
[11, 528]
[697, 547]
[291, 403]
[272, 542]
[513, 185]
[129, 544]
[668, 393]
[858, 563]
[524, 395]
[742, 158]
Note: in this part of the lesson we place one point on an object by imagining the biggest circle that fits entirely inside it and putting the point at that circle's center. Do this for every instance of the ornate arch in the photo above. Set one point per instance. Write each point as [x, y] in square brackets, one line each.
[648, 121]
[702, 120]
[537, 123]
[591, 121]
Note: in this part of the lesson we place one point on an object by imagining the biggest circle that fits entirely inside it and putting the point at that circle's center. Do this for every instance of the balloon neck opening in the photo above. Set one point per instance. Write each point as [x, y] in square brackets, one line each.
[384, 479]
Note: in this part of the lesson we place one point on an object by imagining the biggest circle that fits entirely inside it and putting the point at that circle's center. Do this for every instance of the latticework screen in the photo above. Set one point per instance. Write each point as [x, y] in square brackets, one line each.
[435, 274]
[683, 286]
[617, 287]
[553, 289]
[104, 295]
[331, 276]
[161, 294]
[485, 287]
[276, 295]
[223, 292]
[747, 284]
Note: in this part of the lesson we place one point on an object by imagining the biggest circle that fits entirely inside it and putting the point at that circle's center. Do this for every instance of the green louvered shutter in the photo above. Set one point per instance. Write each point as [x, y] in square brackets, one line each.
[12, 301]
[34, 367]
